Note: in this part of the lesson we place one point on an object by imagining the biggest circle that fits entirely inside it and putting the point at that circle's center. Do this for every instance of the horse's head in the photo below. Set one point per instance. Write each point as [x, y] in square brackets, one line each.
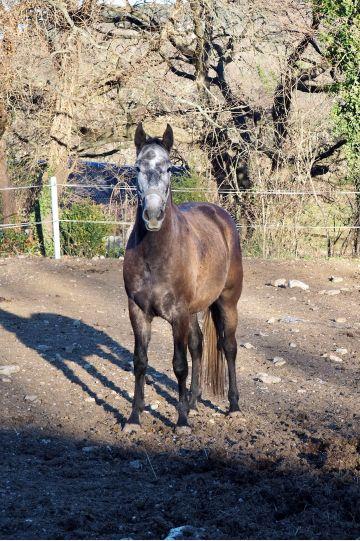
[153, 175]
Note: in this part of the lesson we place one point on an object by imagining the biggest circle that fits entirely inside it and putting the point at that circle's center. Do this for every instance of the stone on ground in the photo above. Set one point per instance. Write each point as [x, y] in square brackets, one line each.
[267, 378]
[298, 284]
[278, 361]
[8, 370]
[336, 279]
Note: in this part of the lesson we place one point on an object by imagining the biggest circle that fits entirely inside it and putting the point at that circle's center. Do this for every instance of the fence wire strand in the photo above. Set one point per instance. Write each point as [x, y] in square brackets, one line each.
[219, 191]
[121, 188]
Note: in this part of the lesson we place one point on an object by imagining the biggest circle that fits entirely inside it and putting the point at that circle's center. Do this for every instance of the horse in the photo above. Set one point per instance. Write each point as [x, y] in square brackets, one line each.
[181, 261]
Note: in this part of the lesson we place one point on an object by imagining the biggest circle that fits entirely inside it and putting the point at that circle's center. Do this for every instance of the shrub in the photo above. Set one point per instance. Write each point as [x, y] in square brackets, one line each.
[13, 242]
[192, 185]
[80, 236]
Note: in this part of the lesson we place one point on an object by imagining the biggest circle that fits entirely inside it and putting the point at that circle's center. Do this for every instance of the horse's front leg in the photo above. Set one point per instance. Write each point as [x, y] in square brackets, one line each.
[141, 324]
[180, 327]
[195, 348]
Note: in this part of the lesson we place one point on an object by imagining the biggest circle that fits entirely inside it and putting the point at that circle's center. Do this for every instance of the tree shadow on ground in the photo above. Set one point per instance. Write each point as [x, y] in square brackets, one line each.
[55, 488]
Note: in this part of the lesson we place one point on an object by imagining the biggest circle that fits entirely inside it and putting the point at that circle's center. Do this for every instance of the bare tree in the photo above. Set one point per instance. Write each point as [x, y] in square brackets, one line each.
[6, 50]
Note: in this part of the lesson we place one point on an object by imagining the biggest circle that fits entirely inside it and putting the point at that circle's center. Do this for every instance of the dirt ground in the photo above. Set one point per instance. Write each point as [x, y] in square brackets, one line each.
[289, 468]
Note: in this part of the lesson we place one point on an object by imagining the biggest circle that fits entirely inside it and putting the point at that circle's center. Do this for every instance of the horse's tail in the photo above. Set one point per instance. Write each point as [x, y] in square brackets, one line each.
[213, 368]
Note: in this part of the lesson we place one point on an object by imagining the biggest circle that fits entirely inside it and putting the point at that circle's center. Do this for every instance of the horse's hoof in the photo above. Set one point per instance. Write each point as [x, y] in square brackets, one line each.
[131, 428]
[183, 430]
[236, 415]
[193, 412]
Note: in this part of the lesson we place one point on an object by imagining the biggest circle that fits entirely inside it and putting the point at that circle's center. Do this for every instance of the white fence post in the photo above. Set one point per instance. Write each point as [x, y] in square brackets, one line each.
[55, 217]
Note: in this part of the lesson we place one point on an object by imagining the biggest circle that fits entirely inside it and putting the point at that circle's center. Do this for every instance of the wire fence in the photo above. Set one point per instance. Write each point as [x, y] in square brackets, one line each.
[108, 212]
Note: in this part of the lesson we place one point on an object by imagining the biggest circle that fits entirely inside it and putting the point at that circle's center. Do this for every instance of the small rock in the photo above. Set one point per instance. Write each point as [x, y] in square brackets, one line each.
[90, 399]
[6, 380]
[298, 284]
[43, 347]
[271, 320]
[293, 345]
[186, 532]
[247, 345]
[334, 358]
[280, 282]
[135, 464]
[340, 320]
[154, 407]
[30, 397]
[291, 319]
[89, 449]
[267, 378]
[7, 370]
[329, 292]
[278, 361]
[336, 279]
[341, 351]
[301, 391]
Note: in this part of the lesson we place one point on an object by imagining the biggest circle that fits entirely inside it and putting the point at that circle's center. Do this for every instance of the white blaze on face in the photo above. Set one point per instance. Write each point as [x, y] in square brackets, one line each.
[153, 184]
[153, 205]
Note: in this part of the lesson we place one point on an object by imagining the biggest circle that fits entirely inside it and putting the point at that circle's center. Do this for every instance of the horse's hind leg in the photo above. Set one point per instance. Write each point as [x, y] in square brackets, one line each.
[141, 324]
[180, 327]
[226, 317]
[195, 345]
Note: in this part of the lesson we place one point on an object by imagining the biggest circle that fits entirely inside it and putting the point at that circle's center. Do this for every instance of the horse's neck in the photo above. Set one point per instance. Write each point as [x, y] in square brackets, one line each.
[157, 242]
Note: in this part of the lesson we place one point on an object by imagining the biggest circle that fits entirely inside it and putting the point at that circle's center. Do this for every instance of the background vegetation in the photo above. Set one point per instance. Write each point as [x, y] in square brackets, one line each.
[263, 96]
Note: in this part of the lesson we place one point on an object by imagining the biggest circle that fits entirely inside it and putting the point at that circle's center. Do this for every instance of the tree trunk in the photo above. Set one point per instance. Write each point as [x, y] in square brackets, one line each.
[8, 206]
[62, 123]
[7, 200]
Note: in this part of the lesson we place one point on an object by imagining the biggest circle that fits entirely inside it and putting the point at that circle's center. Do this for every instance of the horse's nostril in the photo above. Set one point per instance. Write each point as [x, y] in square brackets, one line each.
[160, 215]
[146, 215]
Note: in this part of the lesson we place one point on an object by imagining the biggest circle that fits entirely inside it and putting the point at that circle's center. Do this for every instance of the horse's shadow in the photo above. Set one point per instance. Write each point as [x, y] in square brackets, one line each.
[61, 340]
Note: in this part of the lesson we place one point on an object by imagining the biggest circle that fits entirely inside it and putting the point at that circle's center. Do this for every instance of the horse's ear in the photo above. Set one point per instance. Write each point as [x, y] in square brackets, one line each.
[168, 138]
[140, 137]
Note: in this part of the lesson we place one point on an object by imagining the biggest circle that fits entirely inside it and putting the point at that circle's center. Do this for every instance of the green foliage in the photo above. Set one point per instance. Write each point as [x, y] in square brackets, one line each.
[45, 214]
[341, 19]
[192, 185]
[267, 77]
[302, 234]
[115, 251]
[13, 242]
[83, 238]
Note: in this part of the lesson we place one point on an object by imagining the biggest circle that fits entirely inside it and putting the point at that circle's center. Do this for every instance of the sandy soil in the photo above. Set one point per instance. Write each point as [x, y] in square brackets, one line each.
[289, 469]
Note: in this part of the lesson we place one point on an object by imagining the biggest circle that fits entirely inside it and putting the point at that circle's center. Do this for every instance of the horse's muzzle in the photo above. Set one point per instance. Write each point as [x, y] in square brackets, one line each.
[153, 211]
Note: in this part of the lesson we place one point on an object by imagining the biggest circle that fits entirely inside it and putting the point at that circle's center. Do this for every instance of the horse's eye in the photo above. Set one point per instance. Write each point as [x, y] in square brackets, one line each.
[137, 169]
